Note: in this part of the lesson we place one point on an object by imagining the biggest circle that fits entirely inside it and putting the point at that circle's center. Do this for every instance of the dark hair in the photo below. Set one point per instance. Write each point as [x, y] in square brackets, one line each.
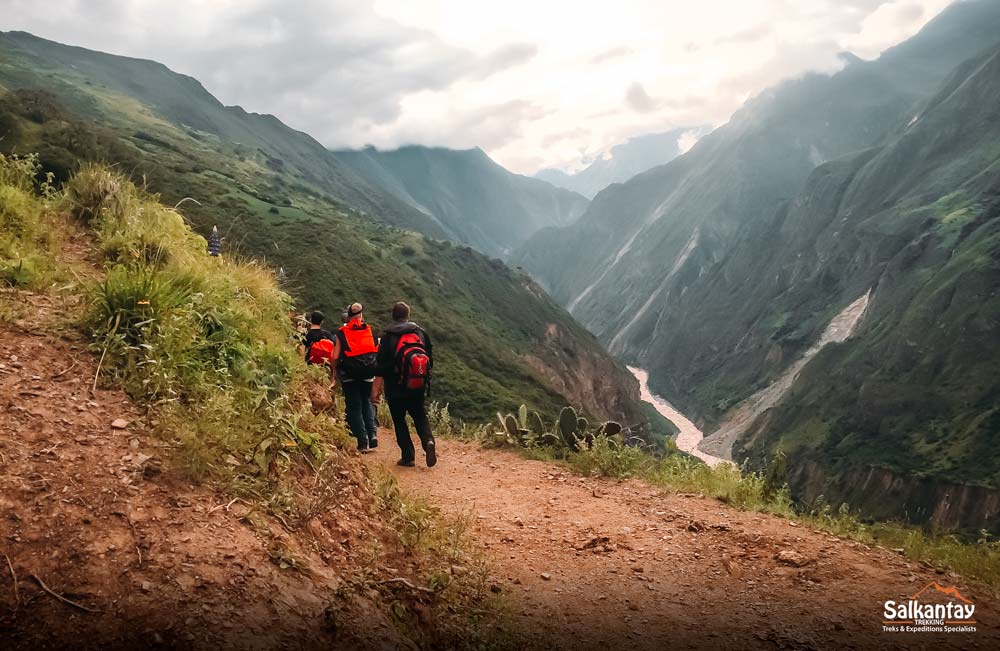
[400, 311]
[316, 317]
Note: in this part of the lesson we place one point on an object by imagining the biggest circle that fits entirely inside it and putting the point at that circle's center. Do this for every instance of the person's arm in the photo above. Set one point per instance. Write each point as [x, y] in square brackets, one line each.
[382, 362]
[428, 346]
[334, 361]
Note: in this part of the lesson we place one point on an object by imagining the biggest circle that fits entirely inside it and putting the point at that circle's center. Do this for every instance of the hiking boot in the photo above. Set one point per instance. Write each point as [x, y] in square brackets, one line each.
[432, 456]
[373, 443]
[405, 463]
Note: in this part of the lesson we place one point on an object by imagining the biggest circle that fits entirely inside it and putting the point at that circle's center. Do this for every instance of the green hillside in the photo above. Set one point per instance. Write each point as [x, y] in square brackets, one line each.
[160, 106]
[474, 200]
[502, 341]
[728, 263]
[915, 391]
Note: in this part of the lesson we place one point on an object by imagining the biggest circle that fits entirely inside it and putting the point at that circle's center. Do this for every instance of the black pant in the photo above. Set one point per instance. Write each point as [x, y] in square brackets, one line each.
[412, 404]
[360, 414]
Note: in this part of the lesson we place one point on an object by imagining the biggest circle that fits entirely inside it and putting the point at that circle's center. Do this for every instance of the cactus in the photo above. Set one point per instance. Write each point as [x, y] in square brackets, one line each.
[522, 416]
[611, 428]
[567, 427]
[582, 424]
[548, 438]
[510, 424]
[536, 425]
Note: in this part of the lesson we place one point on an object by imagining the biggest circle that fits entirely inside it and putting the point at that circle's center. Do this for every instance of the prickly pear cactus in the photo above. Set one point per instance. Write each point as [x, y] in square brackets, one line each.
[582, 425]
[550, 439]
[522, 416]
[611, 428]
[510, 424]
[535, 424]
[567, 427]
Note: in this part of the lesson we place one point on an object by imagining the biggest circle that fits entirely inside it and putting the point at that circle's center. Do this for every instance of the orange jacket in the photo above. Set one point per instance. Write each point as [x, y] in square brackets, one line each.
[357, 338]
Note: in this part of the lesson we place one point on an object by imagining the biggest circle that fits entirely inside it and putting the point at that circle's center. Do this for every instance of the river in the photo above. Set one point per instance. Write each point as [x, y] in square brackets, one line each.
[689, 436]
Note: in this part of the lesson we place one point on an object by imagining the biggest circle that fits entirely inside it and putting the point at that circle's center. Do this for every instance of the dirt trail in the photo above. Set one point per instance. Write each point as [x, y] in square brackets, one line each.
[603, 564]
[94, 510]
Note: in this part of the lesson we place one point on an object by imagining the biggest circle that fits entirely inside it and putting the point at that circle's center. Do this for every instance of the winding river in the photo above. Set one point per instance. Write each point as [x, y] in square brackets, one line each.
[689, 436]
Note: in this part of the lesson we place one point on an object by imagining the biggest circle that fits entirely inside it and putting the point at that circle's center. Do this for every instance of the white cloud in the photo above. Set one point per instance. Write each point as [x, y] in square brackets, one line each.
[687, 140]
[535, 83]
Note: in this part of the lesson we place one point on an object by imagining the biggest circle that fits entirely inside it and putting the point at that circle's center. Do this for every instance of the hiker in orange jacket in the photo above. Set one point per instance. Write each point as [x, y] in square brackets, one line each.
[354, 355]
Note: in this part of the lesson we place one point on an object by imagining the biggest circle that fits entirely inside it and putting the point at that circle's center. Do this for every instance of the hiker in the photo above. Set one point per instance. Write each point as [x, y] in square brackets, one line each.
[354, 358]
[404, 373]
[317, 344]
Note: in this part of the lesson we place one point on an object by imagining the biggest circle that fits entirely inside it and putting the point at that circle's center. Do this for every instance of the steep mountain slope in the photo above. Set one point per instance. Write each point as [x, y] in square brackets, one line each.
[502, 340]
[622, 162]
[262, 143]
[689, 210]
[474, 200]
[915, 392]
[717, 301]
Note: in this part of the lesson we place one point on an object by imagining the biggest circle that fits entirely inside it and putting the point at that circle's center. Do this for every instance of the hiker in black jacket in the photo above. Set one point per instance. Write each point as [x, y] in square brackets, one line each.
[403, 371]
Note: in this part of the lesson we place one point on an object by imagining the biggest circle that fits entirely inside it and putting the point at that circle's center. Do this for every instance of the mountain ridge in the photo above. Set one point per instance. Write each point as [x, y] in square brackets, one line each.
[621, 162]
[475, 200]
[270, 202]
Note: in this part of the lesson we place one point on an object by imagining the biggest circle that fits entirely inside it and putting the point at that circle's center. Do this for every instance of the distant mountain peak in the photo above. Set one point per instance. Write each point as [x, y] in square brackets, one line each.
[623, 161]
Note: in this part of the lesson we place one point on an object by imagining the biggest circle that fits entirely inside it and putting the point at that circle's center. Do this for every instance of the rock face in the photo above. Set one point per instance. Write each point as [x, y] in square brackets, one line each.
[727, 263]
[880, 492]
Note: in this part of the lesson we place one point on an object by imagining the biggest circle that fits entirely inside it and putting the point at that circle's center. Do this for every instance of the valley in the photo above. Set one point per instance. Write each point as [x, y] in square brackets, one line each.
[708, 388]
[727, 264]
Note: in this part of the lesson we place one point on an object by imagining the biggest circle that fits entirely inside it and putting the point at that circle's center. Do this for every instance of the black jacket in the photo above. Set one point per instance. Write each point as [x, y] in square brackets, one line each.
[386, 361]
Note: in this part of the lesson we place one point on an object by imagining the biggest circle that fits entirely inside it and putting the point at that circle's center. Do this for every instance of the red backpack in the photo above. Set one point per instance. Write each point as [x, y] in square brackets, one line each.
[321, 352]
[413, 364]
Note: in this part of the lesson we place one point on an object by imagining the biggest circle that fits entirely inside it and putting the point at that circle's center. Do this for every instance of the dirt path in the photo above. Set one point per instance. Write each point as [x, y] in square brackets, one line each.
[602, 564]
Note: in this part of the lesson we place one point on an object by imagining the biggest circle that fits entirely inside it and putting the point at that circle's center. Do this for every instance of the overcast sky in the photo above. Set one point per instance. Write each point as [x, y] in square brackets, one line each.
[535, 83]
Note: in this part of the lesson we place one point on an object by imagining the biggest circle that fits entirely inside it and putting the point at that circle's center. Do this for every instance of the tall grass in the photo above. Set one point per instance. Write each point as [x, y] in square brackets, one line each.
[29, 237]
[205, 341]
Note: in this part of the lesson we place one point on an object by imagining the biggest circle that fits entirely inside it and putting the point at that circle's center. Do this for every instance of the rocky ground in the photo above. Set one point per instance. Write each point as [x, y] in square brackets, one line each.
[603, 564]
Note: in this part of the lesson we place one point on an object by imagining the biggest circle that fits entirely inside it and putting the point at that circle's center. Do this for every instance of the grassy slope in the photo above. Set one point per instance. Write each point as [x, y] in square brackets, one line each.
[739, 178]
[485, 316]
[155, 94]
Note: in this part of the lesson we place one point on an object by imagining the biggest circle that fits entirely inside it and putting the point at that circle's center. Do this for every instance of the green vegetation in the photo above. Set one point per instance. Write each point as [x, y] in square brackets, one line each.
[207, 346]
[880, 178]
[29, 236]
[205, 342]
[477, 201]
[491, 325]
